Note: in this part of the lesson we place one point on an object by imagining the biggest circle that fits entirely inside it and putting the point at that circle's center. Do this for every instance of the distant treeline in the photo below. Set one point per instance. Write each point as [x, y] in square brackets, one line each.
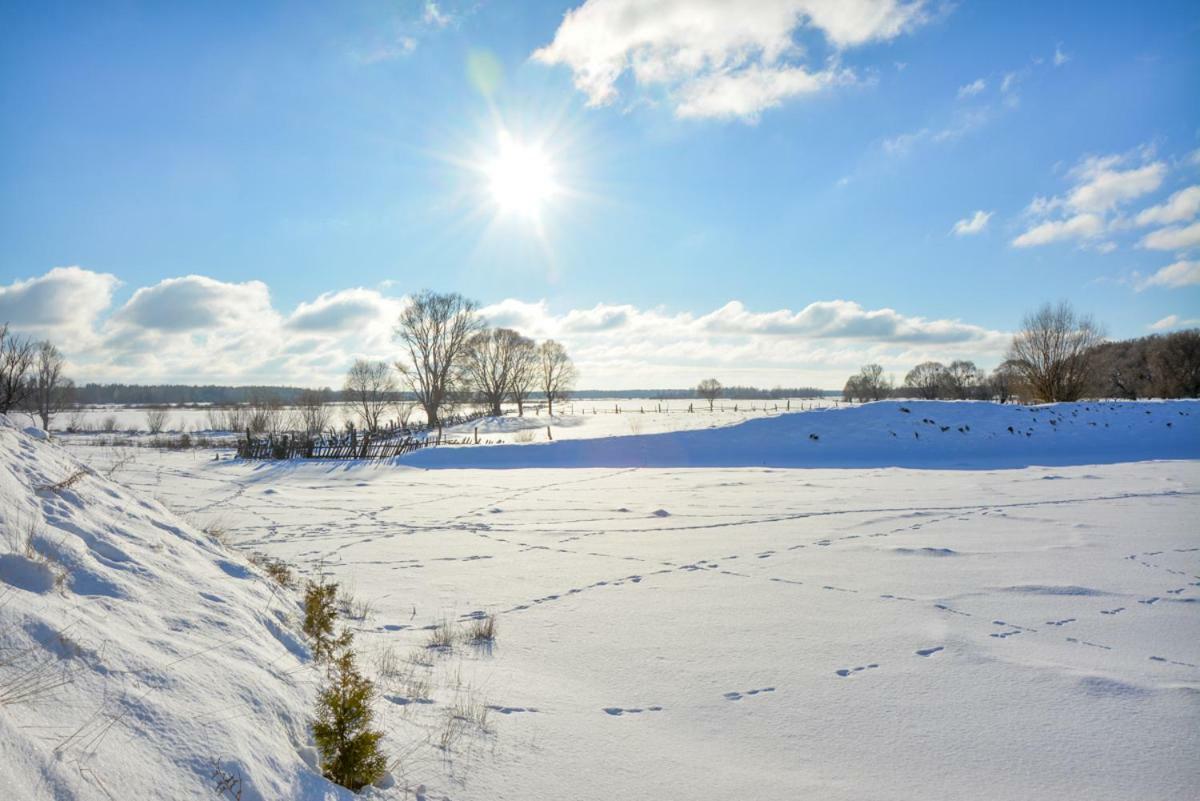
[175, 394]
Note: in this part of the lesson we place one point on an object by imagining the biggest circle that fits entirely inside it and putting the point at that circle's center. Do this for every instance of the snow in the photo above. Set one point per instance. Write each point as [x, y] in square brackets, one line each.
[160, 653]
[851, 621]
[893, 433]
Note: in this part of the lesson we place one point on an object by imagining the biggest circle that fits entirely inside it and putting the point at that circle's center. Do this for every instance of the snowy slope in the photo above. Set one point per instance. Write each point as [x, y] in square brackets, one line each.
[760, 634]
[159, 652]
[919, 434]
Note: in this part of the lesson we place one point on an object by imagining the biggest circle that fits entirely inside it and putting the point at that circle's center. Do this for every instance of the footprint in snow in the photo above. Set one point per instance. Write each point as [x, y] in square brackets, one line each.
[737, 696]
[617, 711]
[844, 672]
[930, 651]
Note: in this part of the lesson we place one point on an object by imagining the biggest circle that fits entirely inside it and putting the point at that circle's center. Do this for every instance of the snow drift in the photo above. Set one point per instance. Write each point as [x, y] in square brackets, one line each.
[915, 434]
[138, 659]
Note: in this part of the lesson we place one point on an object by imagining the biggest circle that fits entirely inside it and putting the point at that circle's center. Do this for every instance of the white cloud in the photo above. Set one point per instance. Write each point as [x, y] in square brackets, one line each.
[1175, 238]
[973, 224]
[1181, 206]
[1081, 226]
[196, 302]
[1172, 321]
[747, 93]
[64, 302]
[717, 58]
[196, 329]
[973, 88]
[1181, 273]
[1100, 186]
[435, 16]
[1060, 57]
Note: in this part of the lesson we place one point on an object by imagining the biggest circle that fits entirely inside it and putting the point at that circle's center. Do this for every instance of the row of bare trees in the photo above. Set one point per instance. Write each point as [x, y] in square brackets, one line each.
[31, 377]
[449, 355]
[1057, 355]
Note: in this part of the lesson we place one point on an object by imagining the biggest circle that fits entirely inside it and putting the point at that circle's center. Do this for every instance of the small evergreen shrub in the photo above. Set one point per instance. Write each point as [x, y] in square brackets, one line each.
[320, 619]
[350, 752]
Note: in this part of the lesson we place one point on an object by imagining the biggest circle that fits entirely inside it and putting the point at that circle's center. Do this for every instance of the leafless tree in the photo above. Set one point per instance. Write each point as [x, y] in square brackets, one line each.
[493, 358]
[17, 355]
[436, 331]
[265, 414]
[926, 379]
[557, 372]
[963, 379]
[312, 413]
[371, 388]
[1005, 381]
[156, 420]
[709, 389]
[868, 384]
[1176, 360]
[1052, 351]
[526, 367]
[51, 390]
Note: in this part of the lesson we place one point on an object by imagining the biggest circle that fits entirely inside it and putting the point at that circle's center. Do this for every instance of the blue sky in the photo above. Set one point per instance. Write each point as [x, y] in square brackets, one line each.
[767, 192]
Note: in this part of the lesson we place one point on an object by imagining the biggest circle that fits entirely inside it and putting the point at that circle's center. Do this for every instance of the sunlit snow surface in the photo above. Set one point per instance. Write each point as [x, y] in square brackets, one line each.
[763, 633]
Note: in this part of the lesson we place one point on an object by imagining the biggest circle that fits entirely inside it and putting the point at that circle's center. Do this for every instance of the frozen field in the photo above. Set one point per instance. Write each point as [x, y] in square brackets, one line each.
[727, 631]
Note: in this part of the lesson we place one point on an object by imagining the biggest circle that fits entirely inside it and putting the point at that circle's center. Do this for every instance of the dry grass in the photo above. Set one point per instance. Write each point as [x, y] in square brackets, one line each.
[524, 435]
[23, 535]
[441, 637]
[482, 629]
[276, 569]
[66, 483]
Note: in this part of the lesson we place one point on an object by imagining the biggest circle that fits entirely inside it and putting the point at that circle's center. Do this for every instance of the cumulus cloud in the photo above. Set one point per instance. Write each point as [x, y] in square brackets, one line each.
[196, 302]
[717, 58]
[65, 299]
[973, 224]
[1175, 238]
[1181, 206]
[196, 329]
[1181, 273]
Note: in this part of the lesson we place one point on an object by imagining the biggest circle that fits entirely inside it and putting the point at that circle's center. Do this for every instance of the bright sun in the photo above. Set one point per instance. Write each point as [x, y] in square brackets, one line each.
[520, 178]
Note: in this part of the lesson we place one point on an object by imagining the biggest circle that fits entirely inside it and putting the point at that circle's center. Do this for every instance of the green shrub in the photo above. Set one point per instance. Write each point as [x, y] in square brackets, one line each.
[350, 753]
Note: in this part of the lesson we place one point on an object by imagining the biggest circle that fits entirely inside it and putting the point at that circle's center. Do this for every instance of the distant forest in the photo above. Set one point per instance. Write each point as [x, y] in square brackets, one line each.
[174, 394]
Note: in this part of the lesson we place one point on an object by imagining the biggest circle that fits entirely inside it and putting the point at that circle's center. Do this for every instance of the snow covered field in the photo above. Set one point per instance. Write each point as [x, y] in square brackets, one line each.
[835, 625]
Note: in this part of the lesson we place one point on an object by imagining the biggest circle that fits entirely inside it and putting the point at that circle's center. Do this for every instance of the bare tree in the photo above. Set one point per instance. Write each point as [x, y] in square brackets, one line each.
[1053, 352]
[1005, 381]
[436, 330]
[1176, 360]
[156, 420]
[493, 358]
[526, 366]
[963, 379]
[371, 389]
[709, 389]
[312, 412]
[869, 384]
[51, 390]
[926, 379]
[16, 361]
[557, 372]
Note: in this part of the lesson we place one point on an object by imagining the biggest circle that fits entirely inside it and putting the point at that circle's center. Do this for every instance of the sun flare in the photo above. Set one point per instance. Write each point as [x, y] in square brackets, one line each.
[520, 178]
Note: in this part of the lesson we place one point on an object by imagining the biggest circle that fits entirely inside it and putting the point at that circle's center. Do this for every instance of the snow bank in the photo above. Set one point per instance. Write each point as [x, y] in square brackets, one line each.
[137, 655]
[915, 434]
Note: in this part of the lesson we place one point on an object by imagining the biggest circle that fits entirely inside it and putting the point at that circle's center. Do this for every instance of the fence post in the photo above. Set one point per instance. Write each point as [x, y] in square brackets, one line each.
[548, 434]
[476, 435]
